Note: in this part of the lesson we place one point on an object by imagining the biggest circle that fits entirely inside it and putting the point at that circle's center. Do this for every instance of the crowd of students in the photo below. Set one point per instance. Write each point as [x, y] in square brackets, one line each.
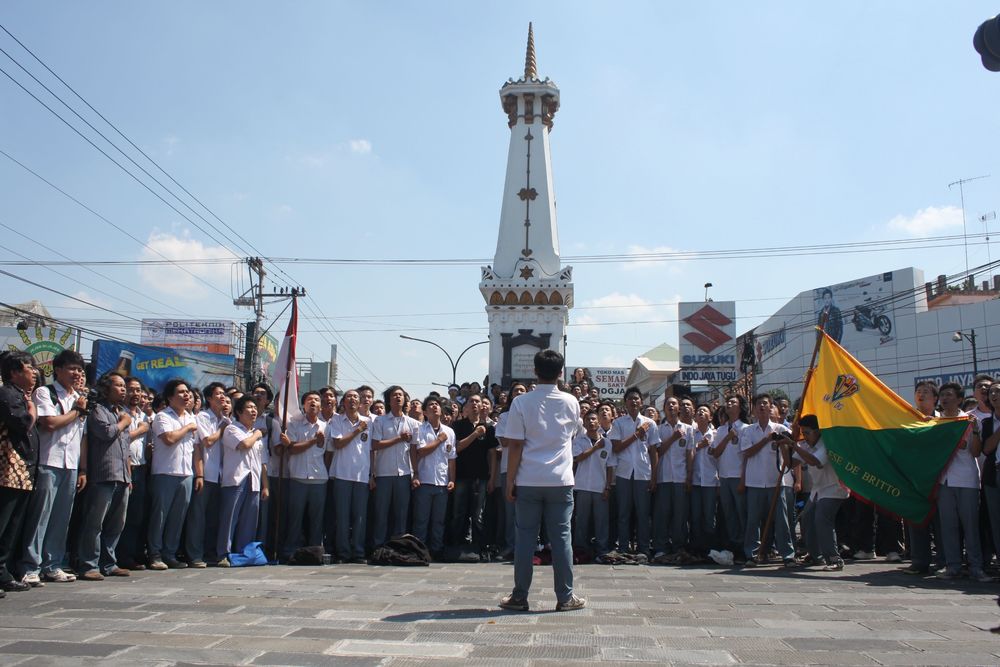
[102, 481]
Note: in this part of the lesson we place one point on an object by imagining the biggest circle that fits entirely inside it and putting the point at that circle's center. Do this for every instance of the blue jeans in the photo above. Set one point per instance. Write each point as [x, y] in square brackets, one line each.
[351, 503]
[555, 505]
[703, 517]
[171, 496]
[920, 543]
[131, 547]
[670, 513]
[237, 517]
[591, 505]
[734, 511]
[959, 507]
[47, 519]
[305, 502]
[468, 505]
[632, 493]
[392, 507]
[102, 525]
[202, 529]
[758, 505]
[430, 507]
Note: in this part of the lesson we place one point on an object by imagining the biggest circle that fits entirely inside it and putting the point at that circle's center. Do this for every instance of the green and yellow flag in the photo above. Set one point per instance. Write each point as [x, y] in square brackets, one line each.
[881, 448]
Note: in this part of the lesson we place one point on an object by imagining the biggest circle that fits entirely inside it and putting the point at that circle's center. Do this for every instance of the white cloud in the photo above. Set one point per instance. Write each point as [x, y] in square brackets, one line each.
[928, 221]
[635, 264]
[314, 161]
[614, 307]
[169, 144]
[360, 146]
[179, 282]
[85, 296]
[616, 300]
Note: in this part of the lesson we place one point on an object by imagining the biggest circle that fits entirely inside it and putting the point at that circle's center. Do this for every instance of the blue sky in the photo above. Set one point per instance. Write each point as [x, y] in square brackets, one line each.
[374, 130]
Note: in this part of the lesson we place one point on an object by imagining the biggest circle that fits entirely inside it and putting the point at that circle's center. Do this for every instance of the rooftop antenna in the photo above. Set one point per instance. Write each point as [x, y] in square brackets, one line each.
[965, 234]
[985, 218]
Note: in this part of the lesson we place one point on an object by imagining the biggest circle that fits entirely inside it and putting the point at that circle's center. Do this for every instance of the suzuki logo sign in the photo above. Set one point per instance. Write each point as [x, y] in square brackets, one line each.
[708, 335]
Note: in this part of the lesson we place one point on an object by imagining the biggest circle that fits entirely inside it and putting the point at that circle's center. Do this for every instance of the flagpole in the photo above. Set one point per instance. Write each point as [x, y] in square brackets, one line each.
[289, 366]
[761, 553]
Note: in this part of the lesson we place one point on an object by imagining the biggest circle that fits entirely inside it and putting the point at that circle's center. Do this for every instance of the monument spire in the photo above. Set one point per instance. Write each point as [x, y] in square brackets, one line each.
[528, 291]
[530, 66]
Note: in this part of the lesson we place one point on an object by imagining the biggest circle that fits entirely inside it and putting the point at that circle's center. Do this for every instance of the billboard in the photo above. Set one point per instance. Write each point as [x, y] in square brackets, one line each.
[858, 314]
[609, 380]
[41, 342]
[707, 335]
[216, 336]
[155, 366]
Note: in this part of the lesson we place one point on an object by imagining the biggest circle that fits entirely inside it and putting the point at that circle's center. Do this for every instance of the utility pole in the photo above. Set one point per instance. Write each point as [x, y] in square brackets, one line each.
[254, 298]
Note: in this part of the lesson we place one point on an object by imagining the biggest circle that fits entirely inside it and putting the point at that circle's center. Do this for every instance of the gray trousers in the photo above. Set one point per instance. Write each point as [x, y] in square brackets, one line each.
[758, 505]
[703, 517]
[819, 519]
[959, 508]
[554, 505]
[201, 530]
[103, 523]
[46, 522]
[591, 506]
[670, 515]
[430, 508]
[170, 496]
[734, 511]
[920, 543]
[392, 507]
[632, 494]
[509, 529]
[351, 505]
[305, 503]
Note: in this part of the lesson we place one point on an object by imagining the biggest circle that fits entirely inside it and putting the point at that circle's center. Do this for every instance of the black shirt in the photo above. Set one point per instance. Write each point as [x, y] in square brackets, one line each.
[15, 416]
[473, 462]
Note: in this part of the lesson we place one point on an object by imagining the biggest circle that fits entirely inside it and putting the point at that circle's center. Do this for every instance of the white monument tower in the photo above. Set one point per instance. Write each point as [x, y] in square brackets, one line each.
[527, 290]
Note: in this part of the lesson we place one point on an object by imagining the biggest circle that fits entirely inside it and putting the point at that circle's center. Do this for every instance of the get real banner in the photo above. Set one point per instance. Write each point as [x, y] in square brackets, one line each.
[155, 366]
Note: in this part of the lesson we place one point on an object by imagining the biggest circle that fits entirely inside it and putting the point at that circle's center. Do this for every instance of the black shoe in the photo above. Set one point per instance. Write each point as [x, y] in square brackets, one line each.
[14, 586]
[176, 564]
[359, 560]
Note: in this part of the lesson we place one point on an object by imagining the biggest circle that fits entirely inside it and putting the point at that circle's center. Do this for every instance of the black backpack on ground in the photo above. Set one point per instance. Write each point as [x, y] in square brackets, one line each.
[401, 550]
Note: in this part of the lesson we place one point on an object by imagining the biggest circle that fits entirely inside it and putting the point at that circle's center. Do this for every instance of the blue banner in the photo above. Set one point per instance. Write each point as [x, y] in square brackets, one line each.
[155, 366]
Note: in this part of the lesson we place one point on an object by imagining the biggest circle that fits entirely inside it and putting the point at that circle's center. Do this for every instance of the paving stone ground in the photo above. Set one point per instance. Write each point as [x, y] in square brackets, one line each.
[869, 614]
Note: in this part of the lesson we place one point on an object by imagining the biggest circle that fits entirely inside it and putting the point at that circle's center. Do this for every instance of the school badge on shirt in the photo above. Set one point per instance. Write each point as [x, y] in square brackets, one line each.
[364, 437]
[449, 449]
[604, 454]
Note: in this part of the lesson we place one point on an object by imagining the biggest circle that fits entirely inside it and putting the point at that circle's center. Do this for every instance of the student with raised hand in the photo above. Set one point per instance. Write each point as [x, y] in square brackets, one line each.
[172, 482]
[633, 442]
[244, 480]
[726, 450]
[670, 512]
[202, 526]
[433, 452]
[352, 470]
[592, 487]
[703, 473]
[391, 438]
[305, 444]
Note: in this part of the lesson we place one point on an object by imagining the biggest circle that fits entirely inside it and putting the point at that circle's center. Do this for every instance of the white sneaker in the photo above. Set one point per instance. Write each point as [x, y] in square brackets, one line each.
[32, 580]
[59, 576]
[893, 557]
[863, 555]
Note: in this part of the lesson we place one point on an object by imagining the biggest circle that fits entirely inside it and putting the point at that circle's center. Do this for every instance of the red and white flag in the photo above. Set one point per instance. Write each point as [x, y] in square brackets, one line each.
[286, 377]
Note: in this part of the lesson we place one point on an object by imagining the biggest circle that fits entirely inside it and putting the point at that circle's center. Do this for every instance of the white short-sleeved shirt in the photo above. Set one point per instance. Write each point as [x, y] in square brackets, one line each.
[963, 471]
[176, 460]
[634, 459]
[137, 447]
[546, 419]
[433, 468]
[672, 467]
[308, 464]
[208, 424]
[731, 461]
[353, 461]
[393, 461]
[762, 471]
[59, 448]
[591, 473]
[825, 483]
[499, 430]
[270, 442]
[238, 462]
[705, 466]
[980, 415]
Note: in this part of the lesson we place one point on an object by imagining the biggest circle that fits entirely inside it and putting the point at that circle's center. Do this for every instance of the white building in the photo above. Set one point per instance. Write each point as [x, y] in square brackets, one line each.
[528, 292]
[900, 327]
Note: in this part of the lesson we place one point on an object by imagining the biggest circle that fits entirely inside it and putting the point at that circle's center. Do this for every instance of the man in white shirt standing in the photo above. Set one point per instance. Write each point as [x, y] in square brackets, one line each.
[726, 450]
[305, 444]
[757, 443]
[670, 510]
[61, 422]
[202, 523]
[540, 429]
[591, 452]
[392, 435]
[633, 442]
[352, 469]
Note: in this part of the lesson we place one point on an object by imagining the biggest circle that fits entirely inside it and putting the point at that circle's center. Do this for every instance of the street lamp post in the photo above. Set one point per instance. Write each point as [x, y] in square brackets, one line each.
[971, 337]
[454, 363]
